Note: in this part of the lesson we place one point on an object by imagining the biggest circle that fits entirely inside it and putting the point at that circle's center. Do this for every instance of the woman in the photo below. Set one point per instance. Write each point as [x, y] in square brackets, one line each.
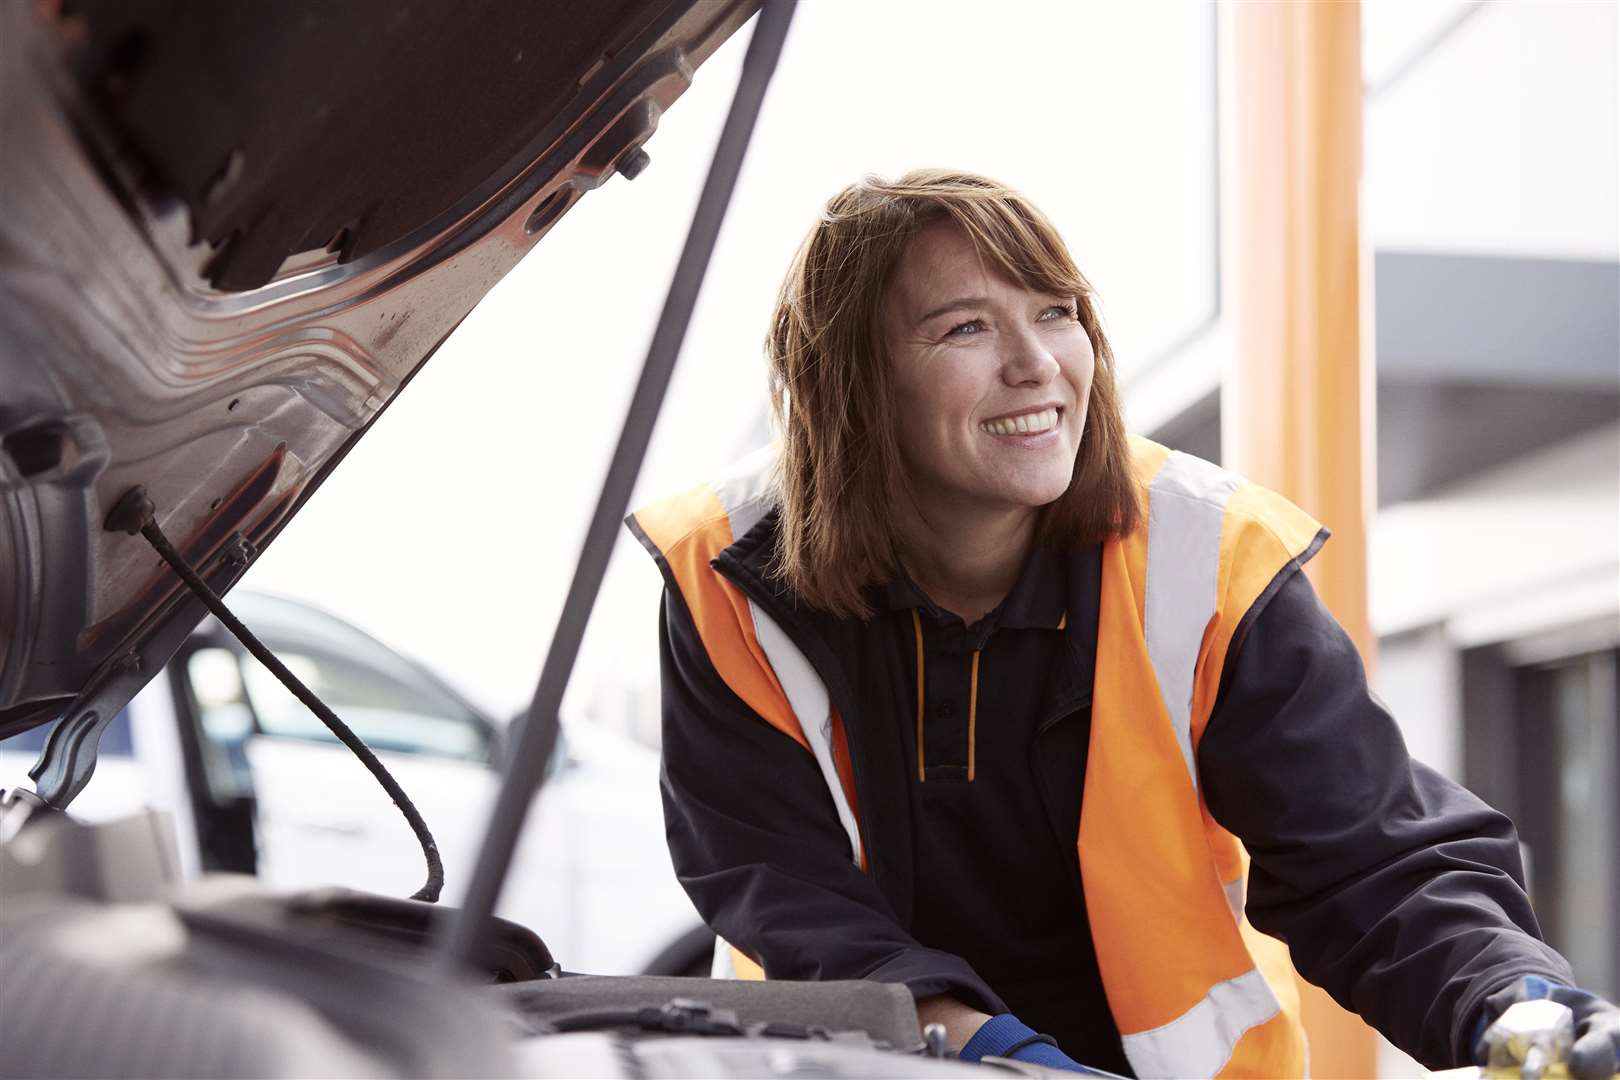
[967, 690]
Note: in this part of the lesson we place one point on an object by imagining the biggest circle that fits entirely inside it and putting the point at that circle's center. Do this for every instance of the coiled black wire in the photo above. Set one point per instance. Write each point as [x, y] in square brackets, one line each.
[430, 849]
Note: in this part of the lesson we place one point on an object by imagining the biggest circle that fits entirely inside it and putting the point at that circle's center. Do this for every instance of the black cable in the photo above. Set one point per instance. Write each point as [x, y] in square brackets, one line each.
[435, 867]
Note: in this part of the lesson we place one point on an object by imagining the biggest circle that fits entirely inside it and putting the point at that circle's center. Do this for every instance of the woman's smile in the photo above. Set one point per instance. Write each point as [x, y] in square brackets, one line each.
[1022, 428]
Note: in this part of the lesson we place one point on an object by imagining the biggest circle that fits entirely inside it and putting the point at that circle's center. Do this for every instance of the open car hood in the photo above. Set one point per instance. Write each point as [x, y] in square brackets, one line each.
[232, 233]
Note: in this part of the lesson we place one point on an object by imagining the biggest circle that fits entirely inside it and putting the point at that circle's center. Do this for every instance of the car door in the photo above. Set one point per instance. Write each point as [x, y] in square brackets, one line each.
[591, 873]
[321, 818]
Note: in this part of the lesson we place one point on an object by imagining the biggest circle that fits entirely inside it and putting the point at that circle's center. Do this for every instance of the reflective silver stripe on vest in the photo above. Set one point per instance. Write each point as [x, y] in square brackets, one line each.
[1235, 892]
[1200, 1041]
[724, 965]
[747, 496]
[808, 697]
[1186, 510]
[745, 490]
[1186, 505]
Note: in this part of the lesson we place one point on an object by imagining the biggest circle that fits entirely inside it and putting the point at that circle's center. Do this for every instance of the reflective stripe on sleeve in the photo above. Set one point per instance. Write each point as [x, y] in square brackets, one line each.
[808, 696]
[1186, 511]
[1200, 1041]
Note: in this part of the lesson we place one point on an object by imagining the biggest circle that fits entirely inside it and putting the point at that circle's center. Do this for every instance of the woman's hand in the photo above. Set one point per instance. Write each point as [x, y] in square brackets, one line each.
[1595, 1053]
[1006, 1036]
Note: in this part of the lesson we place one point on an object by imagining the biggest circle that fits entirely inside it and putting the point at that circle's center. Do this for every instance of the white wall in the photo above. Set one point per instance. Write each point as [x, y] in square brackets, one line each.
[1514, 551]
[1504, 138]
[1417, 678]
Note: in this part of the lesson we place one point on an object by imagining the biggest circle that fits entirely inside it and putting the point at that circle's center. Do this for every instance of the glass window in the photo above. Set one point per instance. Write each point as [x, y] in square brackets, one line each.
[1579, 890]
[226, 720]
[1543, 745]
[386, 713]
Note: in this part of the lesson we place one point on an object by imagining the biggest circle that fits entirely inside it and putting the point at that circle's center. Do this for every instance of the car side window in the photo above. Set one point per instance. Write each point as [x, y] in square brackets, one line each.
[388, 714]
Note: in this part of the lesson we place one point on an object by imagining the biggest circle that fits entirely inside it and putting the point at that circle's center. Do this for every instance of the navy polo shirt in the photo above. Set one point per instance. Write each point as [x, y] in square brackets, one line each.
[996, 884]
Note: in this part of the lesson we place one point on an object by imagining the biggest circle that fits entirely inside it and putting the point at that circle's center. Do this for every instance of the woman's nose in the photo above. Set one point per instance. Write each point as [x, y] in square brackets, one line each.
[1029, 362]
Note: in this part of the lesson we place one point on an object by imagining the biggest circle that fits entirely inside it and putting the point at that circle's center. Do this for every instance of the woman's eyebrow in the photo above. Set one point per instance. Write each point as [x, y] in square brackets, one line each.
[962, 304]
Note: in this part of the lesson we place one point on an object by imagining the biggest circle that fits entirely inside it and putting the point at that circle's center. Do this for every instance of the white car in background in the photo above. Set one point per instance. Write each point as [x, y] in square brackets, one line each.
[257, 784]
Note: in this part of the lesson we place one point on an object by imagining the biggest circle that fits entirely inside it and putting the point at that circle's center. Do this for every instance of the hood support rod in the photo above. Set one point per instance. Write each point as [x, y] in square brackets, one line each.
[526, 766]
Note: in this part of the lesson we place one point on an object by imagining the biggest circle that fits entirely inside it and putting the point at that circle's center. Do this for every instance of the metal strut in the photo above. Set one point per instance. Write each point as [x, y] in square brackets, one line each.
[526, 767]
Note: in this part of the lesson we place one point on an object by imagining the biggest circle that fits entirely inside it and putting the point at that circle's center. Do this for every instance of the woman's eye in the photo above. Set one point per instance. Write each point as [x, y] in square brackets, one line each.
[967, 329]
[1057, 311]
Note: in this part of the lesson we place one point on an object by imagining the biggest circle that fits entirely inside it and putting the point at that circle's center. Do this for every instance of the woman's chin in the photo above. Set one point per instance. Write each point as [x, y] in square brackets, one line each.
[1038, 487]
[1028, 496]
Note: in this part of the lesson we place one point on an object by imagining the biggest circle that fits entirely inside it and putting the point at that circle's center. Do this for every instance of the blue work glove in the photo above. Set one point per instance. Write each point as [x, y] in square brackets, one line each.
[1005, 1036]
[1596, 1052]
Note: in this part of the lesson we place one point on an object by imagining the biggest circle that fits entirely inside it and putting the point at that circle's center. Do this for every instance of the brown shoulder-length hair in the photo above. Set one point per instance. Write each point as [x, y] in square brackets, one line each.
[840, 471]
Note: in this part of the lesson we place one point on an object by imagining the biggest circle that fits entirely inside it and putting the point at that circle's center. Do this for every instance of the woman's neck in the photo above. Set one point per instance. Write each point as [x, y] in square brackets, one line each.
[966, 563]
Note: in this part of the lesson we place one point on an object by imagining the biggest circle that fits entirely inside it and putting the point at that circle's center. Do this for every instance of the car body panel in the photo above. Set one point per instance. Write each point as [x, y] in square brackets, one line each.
[123, 364]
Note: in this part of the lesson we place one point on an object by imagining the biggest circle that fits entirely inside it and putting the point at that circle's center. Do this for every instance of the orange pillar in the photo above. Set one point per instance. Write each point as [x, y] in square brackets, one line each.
[1297, 402]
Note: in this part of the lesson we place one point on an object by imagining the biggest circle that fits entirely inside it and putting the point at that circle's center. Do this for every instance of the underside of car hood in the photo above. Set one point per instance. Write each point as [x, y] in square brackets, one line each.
[232, 234]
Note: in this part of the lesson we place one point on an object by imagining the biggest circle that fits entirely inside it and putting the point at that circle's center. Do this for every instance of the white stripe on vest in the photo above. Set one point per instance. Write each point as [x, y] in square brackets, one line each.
[1186, 511]
[1235, 892]
[1186, 504]
[1200, 1041]
[747, 496]
[1186, 508]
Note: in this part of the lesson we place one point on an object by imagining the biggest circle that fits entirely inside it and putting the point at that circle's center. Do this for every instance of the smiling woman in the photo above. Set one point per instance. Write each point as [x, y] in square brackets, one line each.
[965, 689]
[988, 324]
[991, 392]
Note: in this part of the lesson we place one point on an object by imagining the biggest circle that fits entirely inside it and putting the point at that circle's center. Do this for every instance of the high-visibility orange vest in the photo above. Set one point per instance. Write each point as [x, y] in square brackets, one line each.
[1194, 989]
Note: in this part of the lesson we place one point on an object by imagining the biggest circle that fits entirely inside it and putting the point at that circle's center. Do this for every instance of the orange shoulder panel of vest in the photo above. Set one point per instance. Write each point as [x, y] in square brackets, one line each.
[671, 520]
[1147, 458]
[685, 533]
[1274, 1048]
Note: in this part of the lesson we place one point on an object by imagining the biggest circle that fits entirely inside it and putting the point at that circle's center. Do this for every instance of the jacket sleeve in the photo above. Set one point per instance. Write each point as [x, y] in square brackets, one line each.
[756, 841]
[1396, 890]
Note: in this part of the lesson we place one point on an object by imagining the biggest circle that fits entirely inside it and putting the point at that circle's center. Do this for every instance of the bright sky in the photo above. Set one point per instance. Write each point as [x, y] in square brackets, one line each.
[452, 530]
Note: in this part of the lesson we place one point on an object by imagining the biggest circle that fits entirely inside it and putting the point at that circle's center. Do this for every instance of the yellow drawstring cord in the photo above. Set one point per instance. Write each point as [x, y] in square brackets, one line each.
[973, 712]
[916, 625]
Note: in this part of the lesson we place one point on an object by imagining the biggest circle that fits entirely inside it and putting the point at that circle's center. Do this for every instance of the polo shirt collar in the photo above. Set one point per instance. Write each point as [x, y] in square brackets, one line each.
[1038, 599]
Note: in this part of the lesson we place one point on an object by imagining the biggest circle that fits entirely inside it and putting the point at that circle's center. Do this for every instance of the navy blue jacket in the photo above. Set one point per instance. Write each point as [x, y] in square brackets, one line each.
[1397, 891]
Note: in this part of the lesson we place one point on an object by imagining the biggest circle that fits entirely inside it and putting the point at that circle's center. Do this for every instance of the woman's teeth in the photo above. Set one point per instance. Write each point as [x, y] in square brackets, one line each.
[1028, 424]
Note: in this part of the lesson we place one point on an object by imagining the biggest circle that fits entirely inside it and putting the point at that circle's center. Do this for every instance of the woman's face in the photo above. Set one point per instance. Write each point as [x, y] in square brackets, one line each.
[991, 380]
